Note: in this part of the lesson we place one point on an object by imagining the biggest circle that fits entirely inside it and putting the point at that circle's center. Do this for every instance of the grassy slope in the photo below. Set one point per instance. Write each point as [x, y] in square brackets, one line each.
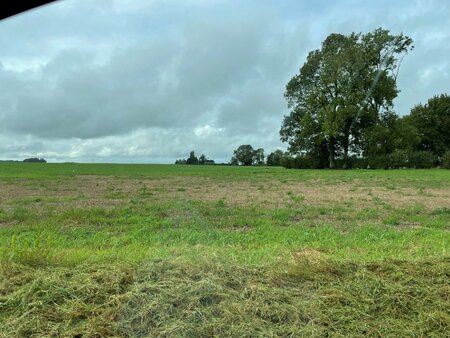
[155, 259]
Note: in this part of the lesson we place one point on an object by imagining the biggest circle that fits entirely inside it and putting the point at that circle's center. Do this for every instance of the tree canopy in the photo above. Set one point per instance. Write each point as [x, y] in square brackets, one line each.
[192, 158]
[342, 111]
[246, 155]
[35, 160]
[341, 91]
[274, 158]
[432, 120]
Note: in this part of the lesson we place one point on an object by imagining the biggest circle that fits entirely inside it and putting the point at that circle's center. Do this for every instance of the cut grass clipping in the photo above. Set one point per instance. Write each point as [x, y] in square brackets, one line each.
[314, 297]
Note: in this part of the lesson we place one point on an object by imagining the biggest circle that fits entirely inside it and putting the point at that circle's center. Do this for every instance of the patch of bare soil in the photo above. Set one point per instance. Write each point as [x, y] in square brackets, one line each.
[103, 191]
[407, 225]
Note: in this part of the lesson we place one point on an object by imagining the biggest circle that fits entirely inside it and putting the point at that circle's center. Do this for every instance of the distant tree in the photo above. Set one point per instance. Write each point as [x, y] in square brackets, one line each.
[432, 121]
[234, 161]
[192, 159]
[274, 158]
[35, 160]
[341, 90]
[446, 159]
[258, 156]
[202, 159]
[246, 155]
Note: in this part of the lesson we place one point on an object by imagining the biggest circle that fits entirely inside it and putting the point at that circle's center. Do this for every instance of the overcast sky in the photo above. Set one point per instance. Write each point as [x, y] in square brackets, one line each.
[150, 80]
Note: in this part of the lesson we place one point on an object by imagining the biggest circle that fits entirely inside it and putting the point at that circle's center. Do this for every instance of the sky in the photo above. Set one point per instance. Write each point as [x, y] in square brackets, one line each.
[147, 81]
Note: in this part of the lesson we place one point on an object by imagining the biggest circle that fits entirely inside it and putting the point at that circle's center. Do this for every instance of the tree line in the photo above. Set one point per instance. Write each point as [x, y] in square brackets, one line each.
[243, 155]
[342, 111]
[35, 160]
[192, 159]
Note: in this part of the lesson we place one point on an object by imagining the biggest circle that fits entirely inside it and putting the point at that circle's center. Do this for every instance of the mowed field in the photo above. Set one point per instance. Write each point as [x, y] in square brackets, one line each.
[110, 250]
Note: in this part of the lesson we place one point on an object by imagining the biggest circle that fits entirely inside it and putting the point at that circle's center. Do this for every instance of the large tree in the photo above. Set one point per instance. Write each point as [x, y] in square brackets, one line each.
[258, 156]
[202, 159]
[246, 155]
[192, 158]
[274, 158]
[432, 120]
[341, 90]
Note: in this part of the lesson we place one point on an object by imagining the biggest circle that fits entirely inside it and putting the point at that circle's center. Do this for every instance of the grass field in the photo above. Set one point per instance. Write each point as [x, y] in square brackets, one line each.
[96, 250]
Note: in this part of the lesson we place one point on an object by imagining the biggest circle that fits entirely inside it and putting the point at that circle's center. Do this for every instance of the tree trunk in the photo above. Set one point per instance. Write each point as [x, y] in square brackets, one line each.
[346, 142]
[331, 150]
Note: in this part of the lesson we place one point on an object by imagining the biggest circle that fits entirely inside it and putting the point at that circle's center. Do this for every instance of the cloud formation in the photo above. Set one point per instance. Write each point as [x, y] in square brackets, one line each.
[148, 81]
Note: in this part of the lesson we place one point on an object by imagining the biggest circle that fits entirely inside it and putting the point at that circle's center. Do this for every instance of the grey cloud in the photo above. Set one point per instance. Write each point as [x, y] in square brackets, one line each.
[113, 80]
[166, 81]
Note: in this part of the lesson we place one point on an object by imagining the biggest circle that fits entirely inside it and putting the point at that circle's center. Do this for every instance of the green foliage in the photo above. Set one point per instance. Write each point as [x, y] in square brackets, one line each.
[246, 155]
[358, 162]
[274, 158]
[378, 162]
[342, 90]
[403, 159]
[446, 159]
[432, 120]
[389, 134]
[35, 160]
[258, 156]
[234, 161]
[399, 159]
[299, 162]
[421, 159]
[192, 159]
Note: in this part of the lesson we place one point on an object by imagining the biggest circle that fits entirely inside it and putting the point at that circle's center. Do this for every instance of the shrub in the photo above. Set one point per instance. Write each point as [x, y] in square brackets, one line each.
[357, 162]
[300, 162]
[378, 162]
[305, 162]
[422, 159]
[446, 159]
[288, 162]
[274, 158]
[399, 159]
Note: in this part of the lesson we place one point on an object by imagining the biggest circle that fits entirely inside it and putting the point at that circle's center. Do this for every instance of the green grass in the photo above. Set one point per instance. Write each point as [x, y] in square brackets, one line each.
[419, 177]
[92, 250]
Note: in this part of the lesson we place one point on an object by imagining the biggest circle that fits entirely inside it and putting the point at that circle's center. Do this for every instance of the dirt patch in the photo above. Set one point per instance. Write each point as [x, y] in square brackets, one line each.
[407, 225]
[104, 191]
